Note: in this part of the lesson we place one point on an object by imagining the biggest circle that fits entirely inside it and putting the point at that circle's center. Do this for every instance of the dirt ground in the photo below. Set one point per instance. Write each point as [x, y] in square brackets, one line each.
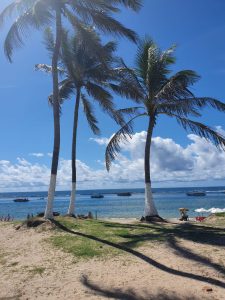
[30, 268]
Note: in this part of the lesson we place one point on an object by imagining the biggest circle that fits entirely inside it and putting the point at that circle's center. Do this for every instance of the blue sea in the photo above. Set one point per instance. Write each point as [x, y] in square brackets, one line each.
[168, 201]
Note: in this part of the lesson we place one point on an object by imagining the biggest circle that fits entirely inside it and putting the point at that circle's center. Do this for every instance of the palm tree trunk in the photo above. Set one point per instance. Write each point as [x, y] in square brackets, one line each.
[56, 115]
[71, 209]
[150, 209]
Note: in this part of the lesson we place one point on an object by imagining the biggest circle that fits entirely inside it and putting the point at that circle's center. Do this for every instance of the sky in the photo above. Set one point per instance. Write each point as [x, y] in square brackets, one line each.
[179, 158]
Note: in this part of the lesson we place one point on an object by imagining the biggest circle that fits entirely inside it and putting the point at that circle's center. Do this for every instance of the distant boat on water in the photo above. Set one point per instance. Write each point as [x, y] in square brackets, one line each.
[124, 194]
[97, 196]
[196, 193]
[21, 200]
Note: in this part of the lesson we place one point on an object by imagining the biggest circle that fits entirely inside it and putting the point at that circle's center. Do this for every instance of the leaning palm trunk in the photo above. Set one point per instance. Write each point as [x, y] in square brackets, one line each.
[56, 115]
[150, 209]
[71, 209]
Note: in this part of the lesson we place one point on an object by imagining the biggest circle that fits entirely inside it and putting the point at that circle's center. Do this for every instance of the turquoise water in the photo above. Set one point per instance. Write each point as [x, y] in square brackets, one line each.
[168, 201]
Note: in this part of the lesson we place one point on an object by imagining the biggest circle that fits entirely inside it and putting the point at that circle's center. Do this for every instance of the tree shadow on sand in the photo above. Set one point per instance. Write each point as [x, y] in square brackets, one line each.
[195, 233]
[144, 258]
[129, 294]
[188, 254]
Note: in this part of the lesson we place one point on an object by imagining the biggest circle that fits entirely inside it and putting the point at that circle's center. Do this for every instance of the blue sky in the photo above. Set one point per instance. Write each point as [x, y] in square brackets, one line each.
[198, 29]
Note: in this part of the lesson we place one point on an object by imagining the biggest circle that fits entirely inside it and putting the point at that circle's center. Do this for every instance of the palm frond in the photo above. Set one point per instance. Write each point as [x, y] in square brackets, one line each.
[142, 56]
[133, 4]
[168, 57]
[176, 87]
[80, 7]
[99, 15]
[207, 101]
[14, 36]
[66, 89]
[131, 111]
[181, 107]
[88, 111]
[20, 28]
[15, 8]
[49, 40]
[201, 130]
[100, 94]
[189, 106]
[122, 135]
[128, 85]
[107, 24]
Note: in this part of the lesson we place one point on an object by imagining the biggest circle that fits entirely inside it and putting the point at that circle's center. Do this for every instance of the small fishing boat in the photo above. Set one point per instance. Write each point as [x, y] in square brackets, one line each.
[196, 193]
[124, 194]
[98, 196]
[21, 200]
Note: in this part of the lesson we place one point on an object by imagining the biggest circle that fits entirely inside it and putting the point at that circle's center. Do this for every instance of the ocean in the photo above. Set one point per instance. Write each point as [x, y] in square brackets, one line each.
[167, 200]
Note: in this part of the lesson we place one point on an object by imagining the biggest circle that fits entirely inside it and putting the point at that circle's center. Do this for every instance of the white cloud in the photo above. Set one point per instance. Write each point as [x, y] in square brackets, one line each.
[170, 162]
[100, 141]
[37, 154]
[220, 130]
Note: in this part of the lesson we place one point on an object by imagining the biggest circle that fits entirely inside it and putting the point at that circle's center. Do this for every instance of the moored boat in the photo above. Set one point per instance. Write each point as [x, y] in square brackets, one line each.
[21, 200]
[124, 194]
[97, 196]
[196, 193]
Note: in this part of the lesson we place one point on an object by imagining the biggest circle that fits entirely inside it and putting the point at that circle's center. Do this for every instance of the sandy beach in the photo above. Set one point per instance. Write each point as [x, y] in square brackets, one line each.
[31, 268]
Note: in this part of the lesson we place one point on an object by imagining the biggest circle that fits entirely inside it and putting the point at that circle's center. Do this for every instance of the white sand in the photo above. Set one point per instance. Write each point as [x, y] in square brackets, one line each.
[24, 252]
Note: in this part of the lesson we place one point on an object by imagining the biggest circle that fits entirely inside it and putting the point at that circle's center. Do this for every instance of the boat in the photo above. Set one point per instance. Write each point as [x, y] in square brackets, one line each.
[196, 193]
[21, 200]
[124, 194]
[97, 196]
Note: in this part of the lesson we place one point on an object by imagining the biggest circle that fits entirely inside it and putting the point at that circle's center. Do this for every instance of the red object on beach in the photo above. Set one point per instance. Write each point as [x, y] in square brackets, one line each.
[200, 219]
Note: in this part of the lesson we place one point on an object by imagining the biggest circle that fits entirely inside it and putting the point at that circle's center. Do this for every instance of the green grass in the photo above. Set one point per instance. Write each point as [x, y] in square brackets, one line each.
[122, 234]
[220, 215]
[37, 271]
[127, 235]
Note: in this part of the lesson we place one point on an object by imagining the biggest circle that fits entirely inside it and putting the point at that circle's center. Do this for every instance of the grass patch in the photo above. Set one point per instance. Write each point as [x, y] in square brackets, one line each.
[220, 215]
[126, 235]
[130, 236]
[37, 271]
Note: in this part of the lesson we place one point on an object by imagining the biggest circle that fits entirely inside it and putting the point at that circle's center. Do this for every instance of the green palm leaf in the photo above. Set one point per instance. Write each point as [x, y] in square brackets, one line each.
[122, 135]
[202, 130]
[88, 111]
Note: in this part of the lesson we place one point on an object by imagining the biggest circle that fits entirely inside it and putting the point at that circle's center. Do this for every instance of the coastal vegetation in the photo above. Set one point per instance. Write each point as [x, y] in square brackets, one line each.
[37, 14]
[84, 67]
[90, 77]
[48, 256]
[160, 93]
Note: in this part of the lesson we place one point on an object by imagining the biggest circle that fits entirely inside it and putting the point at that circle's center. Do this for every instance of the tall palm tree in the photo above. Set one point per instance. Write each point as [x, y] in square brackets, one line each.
[39, 13]
[160, 93]
[85, 74]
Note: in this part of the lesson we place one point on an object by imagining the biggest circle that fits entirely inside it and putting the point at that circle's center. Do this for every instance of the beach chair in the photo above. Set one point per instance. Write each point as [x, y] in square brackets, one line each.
[200, 218]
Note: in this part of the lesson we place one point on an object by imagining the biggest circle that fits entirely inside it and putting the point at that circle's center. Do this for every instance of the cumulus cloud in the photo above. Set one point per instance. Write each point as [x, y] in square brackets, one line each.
[170, 162]
[199, 160]
[220, 130]
[100, 141]
[37, 154]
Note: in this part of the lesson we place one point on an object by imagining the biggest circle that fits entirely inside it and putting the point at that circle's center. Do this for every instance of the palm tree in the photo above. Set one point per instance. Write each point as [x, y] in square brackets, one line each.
[159, 93]
[37, 14]
[85, 74]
